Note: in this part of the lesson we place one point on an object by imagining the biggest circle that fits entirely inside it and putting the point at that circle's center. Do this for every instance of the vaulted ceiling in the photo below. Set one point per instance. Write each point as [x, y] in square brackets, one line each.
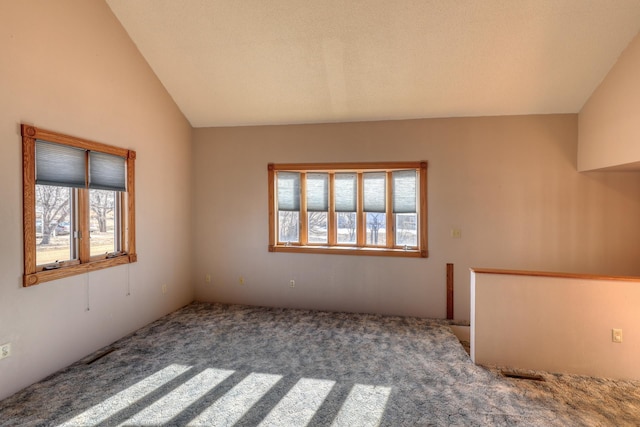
[229, 63]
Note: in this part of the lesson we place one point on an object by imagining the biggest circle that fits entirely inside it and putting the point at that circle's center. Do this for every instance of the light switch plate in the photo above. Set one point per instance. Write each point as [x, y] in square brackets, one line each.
[616, 335]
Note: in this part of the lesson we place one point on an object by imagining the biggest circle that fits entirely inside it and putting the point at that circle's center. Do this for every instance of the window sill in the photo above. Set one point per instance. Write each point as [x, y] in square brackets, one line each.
[72, 270]
[342, 250]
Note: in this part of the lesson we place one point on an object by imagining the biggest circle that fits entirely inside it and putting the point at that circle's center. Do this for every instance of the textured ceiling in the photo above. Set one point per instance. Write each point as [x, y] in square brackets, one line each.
[228, 63]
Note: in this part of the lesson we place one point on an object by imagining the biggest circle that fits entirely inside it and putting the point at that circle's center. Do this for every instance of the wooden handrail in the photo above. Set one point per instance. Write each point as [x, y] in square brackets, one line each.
[552, 274]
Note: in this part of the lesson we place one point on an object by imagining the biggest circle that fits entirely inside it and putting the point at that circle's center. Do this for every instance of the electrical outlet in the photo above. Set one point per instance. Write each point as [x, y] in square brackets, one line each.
[164, 288]
[207, 278]
[292, 283]
[5, 350]
[241, 280]
[456, 233]
[616, 335]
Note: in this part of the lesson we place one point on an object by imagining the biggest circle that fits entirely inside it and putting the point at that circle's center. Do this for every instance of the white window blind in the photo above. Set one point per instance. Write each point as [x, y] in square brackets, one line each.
[65, 166]
[375, 191]
[345, 188]
[288, 191]
[59, 165]
[317, 186]
[404, 191]
[107, 172]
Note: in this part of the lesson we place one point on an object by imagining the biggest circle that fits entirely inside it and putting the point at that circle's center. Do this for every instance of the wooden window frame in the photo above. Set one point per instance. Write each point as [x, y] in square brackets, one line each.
[34, 274]
[360, 248]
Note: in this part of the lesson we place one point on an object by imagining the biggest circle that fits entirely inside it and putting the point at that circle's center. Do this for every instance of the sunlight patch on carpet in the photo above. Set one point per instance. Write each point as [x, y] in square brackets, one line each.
[228, 410]
[300, 404]
[364, 406]
[172, 404]
[100, 412]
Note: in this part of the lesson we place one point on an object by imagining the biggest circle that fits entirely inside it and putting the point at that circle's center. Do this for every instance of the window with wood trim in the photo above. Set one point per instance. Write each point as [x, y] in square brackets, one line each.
[78, 205]
[349, 208]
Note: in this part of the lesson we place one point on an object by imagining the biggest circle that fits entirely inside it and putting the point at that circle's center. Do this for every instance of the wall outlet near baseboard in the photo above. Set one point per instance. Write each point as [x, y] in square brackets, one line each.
[292, 283]
[5, 350]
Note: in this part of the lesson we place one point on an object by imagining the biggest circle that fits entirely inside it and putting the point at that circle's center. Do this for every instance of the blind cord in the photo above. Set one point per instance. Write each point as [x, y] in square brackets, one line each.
[86, 282]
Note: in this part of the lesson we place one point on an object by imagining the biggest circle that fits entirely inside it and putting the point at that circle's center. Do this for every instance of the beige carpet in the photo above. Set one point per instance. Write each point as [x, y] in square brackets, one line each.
[220, 365]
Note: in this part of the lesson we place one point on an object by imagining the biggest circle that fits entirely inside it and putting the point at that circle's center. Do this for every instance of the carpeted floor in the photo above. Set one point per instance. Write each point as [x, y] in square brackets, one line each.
[221, 365]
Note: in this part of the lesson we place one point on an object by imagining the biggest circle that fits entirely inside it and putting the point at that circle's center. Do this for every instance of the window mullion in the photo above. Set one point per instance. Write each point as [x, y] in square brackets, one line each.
[303, 217]
[83, 225]
[84, 243]
[120, 219]
[361, 221]
[390, 223]
[29, 204]
[73, 220]
[273, 210]
[332, 230]
[130, 226]
[422, 210]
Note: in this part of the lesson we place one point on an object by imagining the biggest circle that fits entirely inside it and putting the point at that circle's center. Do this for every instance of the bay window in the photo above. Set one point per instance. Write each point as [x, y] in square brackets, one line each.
[357, 208]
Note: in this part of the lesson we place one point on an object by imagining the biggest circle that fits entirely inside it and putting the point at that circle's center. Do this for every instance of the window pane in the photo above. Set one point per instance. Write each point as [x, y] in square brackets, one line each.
[376, 229]
[54, 233]
[347, 227]
[317, 227]
[103, 224]
[288, 226]
[406, 230]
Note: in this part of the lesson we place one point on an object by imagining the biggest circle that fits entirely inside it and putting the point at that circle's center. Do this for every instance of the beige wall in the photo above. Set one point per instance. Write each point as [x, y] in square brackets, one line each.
[609, 124]
[556, 324]
[509, 183]
[70, 67]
